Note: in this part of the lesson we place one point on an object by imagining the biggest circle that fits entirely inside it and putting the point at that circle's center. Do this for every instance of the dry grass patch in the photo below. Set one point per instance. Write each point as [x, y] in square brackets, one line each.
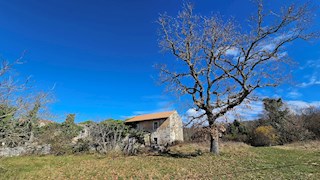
[308, 145]
[237, 161]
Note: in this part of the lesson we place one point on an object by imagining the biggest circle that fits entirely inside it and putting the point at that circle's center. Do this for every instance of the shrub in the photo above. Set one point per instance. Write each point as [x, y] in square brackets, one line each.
[60, 136]
[82, 146]
[294, 130]
[236, 131]
[112, 135]
[264, 136]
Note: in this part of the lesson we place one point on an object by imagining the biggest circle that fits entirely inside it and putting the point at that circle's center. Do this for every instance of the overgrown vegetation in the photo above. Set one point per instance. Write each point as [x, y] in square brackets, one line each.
[60, 136]
[23, 131]
[16, 131]
[104, 137]
[277, 125]
[281, 125]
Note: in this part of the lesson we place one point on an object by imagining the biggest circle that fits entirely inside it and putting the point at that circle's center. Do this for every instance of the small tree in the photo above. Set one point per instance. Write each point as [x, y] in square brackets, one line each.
[70, 128]
[107, 135]
[70, 119]
[219, 65]
[277, 114]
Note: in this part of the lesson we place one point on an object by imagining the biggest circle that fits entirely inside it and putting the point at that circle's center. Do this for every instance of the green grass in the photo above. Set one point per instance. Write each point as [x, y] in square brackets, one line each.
[237, 161]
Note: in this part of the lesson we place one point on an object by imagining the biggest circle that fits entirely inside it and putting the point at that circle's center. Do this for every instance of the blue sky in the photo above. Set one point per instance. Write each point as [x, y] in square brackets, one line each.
[100, 54]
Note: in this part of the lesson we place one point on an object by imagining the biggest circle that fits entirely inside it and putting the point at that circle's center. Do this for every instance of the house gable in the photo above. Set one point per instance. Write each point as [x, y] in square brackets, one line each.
[164, 127]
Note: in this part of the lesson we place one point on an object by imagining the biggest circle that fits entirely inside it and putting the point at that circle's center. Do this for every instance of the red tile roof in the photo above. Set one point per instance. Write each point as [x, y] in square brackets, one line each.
[147, 117]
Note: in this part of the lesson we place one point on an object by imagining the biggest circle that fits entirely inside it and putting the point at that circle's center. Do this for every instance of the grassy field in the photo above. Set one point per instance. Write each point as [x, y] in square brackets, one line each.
[237, 161]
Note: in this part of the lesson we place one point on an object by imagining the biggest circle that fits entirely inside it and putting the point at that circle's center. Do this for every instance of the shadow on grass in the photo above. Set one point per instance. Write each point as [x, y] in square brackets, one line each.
[179, 154]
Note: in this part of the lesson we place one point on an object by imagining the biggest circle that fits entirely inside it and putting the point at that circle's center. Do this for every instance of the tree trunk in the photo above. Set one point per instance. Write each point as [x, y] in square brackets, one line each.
[214, 144]
[214, 134]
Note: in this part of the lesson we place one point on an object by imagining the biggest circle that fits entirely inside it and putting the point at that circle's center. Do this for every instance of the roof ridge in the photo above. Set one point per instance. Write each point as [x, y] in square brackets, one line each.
[151, 116]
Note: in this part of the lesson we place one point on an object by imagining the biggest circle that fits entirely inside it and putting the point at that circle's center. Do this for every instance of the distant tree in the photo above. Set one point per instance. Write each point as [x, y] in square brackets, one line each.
[276, 112]
[311, 120]
[236, 131]
[237, 127]
[220, 64]
[289, 127]
[70, 128]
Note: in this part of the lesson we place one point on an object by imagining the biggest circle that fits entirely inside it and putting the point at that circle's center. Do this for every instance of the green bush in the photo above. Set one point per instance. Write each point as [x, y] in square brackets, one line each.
[60, 136]
[236, 131]
[82, 146]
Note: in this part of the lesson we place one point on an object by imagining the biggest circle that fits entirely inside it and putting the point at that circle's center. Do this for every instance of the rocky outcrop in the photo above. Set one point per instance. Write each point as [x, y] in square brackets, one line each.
[25, 150]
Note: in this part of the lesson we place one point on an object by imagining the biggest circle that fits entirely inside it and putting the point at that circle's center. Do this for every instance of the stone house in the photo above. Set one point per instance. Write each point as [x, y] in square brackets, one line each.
[163, 128]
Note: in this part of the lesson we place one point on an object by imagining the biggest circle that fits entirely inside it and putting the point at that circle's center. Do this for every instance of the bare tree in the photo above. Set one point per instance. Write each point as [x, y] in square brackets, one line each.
[107, 136]
[19, 106]
[220, 65]
[9, 87]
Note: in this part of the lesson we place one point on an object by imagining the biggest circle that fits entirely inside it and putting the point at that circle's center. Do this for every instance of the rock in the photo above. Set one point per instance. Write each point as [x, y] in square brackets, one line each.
[82, 135]
[25, 150]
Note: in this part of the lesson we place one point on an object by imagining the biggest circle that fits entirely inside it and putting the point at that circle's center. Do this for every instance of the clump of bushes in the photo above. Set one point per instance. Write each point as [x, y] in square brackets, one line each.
[288, 127]
[311, 121]
[104, 137]
[264, 136]
[236, 131]
[276, 126]
[113, 135]
[17, 131]
[82, 145]
[60, 136]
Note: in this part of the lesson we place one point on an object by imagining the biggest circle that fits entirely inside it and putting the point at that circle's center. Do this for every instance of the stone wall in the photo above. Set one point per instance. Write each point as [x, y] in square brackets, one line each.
[170, 130]
[25, 150]
[176, 128]
[162, 133]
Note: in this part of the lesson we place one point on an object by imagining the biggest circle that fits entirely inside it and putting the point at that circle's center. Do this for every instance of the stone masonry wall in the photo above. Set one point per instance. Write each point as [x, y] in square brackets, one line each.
[162, 133]
[25, 150]
[176, 128]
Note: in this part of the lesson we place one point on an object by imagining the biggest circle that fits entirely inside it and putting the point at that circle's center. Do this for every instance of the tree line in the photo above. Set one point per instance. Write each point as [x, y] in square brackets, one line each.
[277, 125]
